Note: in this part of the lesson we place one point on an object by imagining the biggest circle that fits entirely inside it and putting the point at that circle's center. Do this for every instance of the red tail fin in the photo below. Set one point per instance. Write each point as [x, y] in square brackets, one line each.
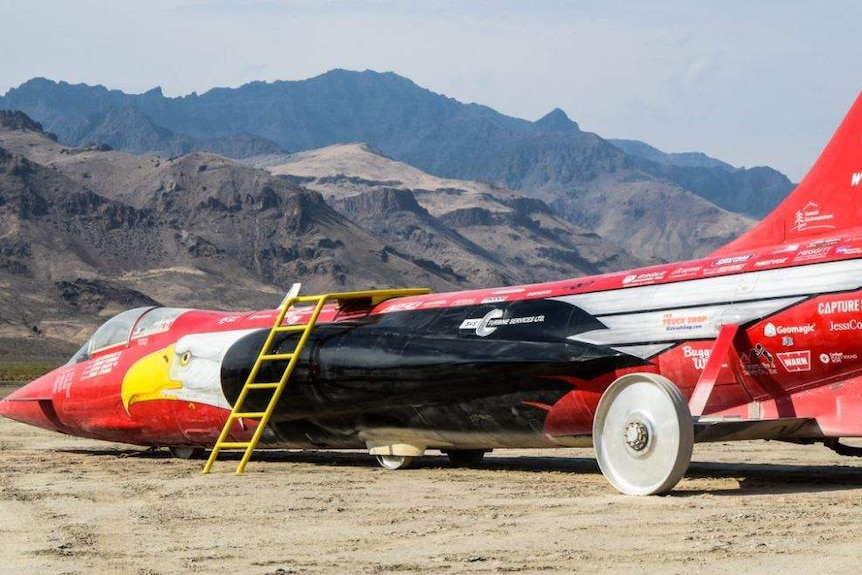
[828, 200]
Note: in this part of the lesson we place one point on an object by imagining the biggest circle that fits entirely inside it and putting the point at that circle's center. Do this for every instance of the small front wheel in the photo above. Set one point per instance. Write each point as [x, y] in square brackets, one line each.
[393, 462]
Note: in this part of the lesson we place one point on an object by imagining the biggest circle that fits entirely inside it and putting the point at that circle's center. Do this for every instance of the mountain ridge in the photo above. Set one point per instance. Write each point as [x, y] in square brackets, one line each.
[86, 232]
[438, 134]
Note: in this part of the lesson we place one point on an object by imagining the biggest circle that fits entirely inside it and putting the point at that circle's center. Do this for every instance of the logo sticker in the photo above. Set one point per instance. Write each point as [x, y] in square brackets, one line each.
[848, 250]
[485, 326]
[731, 260]
[758, 361]
[495, 299]
[698, 357]
[637, 279]
[852, 325]
[102, 366]
[771, 330]
[675, 322]
[795, 361]
[837, 357]
[401, 306]
[770, 262]
[838, 306]
[810, 218]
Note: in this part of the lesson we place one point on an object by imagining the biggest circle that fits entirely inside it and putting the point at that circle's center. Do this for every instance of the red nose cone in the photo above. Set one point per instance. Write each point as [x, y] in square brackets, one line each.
[32, 404]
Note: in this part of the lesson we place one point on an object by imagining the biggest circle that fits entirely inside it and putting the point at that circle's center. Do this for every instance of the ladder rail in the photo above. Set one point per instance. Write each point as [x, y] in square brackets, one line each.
[252, 377]
[265, 355]
[282, 383]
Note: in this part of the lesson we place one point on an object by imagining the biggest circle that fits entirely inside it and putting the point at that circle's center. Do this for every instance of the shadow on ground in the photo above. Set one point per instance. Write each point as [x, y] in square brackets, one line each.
[752, 478]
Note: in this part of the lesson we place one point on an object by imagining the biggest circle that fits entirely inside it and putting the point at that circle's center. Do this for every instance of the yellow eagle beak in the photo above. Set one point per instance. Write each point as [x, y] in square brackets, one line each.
[149, 378]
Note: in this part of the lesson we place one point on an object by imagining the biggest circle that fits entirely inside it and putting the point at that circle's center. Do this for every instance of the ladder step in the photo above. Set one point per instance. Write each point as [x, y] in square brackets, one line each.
[276, 356]
[291, 301]
[262, 385]
[248, 415]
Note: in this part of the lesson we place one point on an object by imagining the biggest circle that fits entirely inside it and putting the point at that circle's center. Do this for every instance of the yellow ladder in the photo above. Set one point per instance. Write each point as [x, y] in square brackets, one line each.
[291, 300]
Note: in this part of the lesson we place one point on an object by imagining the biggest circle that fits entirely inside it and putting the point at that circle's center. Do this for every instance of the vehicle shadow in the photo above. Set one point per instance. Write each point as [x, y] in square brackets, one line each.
[751, 478]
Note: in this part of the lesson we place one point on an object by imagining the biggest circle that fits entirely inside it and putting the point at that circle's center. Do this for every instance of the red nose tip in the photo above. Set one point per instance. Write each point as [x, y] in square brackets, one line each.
[33, 405]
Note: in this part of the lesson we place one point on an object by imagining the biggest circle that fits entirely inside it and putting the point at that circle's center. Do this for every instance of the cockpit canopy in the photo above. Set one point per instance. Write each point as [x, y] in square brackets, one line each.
[126, 326]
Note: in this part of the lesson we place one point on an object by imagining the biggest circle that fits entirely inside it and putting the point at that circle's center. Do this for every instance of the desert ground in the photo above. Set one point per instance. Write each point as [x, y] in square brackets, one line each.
[76, 506]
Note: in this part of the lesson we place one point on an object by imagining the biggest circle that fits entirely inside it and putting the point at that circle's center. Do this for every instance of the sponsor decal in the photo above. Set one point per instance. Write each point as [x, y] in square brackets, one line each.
[810, 218]
[402, 306]
[770, 262]
[723, 270]
[102, 366]
[731, 260]
[488, 324]
[698, 357]
[229, 319]
[465, 301]
[436, 303]
[540, 293]
[837, 357]
[848, 250]
[649, 277]
[507, 290]
[856, 178]
[812, 253]
[795, 361]
[685, 271]
[787, 248]
[787, 341]
[63, 383]
[258, 316]
[851, 325]
[675, 322]
[838, 306]
[758, 361]
[771, 330]
[495, 299]
[820, 243]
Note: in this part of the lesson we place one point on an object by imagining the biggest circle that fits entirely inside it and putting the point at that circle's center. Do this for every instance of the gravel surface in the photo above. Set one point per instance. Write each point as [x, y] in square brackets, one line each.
[70, 505]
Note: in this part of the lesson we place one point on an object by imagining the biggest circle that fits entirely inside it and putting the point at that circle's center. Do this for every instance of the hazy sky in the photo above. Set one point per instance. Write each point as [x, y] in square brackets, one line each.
[750, 82]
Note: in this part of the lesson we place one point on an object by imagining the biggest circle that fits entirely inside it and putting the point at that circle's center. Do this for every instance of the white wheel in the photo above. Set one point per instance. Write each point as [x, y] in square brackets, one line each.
[643, 434]
[186, 451]
[393, 462]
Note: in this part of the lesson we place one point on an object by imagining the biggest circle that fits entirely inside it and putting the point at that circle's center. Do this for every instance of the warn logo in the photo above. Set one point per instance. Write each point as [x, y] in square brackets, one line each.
[795, 361]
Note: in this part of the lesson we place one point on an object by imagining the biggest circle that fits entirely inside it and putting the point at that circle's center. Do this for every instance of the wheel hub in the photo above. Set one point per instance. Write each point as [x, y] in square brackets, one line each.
[637, 435]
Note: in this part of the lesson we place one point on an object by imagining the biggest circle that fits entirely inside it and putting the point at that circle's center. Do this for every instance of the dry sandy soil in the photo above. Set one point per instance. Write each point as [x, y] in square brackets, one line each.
[70, 505]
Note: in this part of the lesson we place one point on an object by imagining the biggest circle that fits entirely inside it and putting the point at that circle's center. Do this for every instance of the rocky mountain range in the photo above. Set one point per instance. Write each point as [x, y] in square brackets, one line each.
[514, 239]
[135, 199]
[753, 192]
[577, 173]
[87, 232]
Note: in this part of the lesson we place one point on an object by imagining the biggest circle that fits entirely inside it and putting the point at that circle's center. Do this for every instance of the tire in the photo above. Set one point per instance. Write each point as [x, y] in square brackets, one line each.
[395, 462]
[643, 434]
